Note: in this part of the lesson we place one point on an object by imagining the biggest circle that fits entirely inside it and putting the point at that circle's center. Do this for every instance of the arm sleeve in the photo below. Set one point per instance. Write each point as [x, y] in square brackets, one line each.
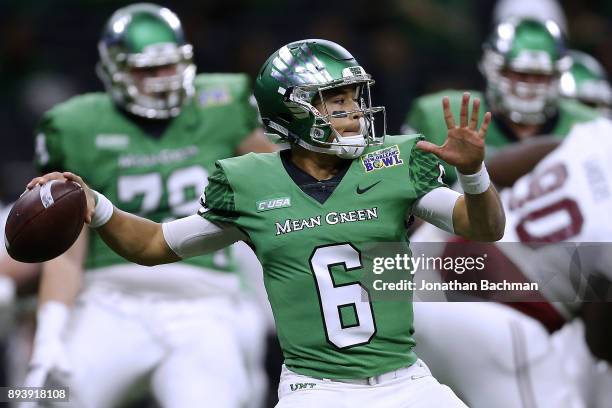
[436, 207]
[194, 235]
[49, 155]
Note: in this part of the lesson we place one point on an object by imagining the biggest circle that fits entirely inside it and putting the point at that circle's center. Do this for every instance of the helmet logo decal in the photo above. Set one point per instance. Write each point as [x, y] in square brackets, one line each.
[317, 133]
[353, 71]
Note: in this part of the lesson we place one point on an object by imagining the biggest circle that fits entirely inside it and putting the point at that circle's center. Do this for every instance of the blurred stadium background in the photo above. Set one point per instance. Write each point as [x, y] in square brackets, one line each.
[48, 49]
[412, 47]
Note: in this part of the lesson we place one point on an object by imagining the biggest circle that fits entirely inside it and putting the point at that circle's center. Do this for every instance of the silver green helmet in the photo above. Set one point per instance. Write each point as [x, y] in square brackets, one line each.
[587, 81]
[526, 46]
[141, 36]
[298, 73]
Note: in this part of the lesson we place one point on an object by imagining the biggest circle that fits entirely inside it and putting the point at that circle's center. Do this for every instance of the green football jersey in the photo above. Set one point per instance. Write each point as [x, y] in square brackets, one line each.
[314, 254]
[426, 117]
[160, 178]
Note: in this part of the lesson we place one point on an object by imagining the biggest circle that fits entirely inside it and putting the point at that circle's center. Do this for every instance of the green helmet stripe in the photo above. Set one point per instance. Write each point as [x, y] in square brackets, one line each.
[145, 30]
[533, 36]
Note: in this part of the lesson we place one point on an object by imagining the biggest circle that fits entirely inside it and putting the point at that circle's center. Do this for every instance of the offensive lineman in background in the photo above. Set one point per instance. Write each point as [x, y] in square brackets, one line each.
[522, 63]
[149, 142]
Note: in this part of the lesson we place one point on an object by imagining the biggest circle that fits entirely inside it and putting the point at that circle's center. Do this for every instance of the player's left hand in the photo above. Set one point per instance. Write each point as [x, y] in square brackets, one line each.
[464, 147]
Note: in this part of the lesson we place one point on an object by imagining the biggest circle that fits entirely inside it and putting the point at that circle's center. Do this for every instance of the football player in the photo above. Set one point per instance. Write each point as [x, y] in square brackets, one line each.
[528, 352]
[587, 82]
[149, 143]
[522, 63]
[310, 212]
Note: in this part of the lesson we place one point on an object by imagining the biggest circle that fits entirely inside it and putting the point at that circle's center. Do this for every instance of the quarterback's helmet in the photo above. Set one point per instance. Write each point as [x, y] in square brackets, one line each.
[144, 36]
[300, 72]
[524, 46]
[587, 81]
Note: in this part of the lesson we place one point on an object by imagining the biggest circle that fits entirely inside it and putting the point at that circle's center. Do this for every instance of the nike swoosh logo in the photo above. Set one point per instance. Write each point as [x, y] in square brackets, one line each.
[361, 191]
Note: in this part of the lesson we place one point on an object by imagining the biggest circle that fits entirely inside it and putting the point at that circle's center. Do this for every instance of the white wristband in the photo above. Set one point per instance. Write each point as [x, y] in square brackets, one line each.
[51, 320]
[476, 183]
[103, 211]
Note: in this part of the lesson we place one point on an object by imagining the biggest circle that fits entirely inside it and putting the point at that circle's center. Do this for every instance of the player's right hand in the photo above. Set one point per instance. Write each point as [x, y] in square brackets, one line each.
[91, 197]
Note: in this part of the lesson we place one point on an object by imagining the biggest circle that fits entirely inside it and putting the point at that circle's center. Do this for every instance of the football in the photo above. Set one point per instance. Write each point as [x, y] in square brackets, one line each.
[45, 221]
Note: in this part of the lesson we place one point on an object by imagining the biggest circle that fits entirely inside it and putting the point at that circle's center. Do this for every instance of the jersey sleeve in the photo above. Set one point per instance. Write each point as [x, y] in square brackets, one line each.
[218, 200]
[426, 171]
[49, 154]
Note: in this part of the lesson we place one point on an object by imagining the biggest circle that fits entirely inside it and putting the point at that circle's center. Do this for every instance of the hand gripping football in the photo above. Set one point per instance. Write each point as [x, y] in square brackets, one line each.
[45, 221]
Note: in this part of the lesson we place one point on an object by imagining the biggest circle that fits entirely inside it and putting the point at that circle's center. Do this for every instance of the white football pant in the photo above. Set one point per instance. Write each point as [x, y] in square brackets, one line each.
[194, 350]
[494, 356]
[413, 387]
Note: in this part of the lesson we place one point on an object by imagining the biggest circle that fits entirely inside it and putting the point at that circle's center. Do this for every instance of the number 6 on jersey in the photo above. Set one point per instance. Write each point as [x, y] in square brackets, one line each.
[333, 297]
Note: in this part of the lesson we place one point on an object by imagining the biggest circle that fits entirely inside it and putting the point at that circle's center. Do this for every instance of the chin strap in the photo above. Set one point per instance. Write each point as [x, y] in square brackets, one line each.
[346, 148]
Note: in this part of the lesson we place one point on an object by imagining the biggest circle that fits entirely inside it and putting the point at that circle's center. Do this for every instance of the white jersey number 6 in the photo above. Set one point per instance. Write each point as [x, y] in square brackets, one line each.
[338, 300]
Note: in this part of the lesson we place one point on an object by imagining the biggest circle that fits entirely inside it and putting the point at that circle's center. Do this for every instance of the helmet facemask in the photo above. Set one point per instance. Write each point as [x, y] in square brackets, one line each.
[145, 63]
[523, 102]
[322, 136]
[156, 96]
[522, 63]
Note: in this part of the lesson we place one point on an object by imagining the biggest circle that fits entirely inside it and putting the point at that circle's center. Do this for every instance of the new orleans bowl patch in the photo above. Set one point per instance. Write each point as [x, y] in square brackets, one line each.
[214, 97]
[382, 159]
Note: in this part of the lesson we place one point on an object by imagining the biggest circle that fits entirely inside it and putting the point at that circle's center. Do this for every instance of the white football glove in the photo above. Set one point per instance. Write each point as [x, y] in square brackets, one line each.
[48, 354]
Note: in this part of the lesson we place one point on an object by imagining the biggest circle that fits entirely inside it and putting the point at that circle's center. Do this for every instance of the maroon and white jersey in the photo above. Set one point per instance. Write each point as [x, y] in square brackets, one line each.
[566, 200]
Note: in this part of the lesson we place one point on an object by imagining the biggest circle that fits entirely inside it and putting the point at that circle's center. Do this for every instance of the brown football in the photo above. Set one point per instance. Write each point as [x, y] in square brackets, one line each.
[45, 221]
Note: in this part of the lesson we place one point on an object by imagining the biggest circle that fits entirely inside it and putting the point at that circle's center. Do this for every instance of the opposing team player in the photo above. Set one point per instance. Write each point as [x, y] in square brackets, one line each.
[310, 213]
[522, 63]
[149, 143]
[557, 235]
